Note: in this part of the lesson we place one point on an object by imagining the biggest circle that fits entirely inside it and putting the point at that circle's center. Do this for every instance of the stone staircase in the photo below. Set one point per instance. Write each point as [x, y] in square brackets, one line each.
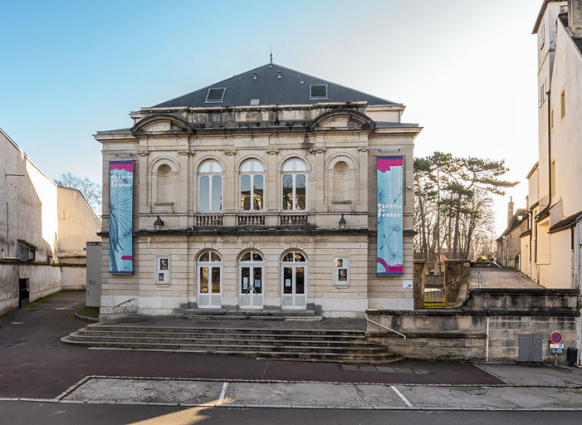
[317, 345]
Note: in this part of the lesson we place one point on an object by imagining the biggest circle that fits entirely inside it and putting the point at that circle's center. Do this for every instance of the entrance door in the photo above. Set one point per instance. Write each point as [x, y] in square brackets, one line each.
[294, 281]
[251, 274]
[209, 280]
[23, 292]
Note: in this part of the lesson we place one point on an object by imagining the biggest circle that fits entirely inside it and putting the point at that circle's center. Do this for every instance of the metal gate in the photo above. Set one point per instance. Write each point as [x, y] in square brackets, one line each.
[530, 348]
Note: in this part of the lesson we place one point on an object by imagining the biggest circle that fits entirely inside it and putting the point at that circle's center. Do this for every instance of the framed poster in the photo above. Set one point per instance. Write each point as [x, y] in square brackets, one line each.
[390, 175]
[163, 270]
[121, 217]
[341, 267]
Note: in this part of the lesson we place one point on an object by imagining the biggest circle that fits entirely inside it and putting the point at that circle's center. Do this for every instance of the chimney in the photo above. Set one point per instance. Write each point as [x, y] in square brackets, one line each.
[509, 210]
[575, 17]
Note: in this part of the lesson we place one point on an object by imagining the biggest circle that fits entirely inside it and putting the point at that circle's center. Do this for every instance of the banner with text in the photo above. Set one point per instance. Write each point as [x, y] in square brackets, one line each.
[121, 217]
[390, 174]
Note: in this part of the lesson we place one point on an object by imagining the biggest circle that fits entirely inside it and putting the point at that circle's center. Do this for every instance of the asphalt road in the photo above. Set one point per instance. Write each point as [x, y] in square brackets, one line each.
[36, 364]
[26, 413]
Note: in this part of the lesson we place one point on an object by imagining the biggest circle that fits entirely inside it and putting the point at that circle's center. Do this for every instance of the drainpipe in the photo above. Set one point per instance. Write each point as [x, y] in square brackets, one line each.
[549, 148]
[577, 244]
[487, 341]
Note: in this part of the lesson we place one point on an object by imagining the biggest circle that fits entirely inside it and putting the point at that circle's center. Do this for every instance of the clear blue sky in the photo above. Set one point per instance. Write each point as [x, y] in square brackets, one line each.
[465, 69]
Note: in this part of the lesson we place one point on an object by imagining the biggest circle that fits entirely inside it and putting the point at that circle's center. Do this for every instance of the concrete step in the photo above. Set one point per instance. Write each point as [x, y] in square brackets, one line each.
[222, 335]
[210, 339]
[216, 330]
[367, 358]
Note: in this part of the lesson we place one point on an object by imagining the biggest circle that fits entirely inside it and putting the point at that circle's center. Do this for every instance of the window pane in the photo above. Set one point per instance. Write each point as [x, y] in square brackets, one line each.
[258, 167]
[287, 282]
[258, 192]
[257, 257]
[299, 257]
[205, 167]
[215, 167]
[204, 257]
[287, 192]
[245, 280]
[300, 190]
[246, 256]
[299, 280]
[215, 258]
[258, 280]
[203, 198]
[299, 165]
[246, 166]
[245, 193]
[288, 166]
[288, 257]
[216, 193]
[203, 280]
[216, 280]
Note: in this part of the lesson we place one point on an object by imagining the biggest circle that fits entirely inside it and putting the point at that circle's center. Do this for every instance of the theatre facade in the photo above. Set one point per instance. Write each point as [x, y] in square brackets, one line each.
[272, 190]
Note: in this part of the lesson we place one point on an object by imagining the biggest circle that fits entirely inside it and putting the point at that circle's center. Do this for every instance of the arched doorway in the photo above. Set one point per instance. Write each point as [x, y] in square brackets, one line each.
[209, 280]
[294, 281]
[251, 279]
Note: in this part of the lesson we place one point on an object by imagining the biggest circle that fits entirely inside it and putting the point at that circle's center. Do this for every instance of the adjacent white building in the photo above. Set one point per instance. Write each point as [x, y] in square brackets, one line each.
[43, 231]
[555, 193]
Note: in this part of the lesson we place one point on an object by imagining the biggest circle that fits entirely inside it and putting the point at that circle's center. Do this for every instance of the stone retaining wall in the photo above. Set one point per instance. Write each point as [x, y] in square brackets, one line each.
[486, 328]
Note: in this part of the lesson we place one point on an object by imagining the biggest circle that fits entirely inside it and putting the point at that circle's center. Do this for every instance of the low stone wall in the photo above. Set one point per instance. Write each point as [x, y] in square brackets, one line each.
[488, 326]
[73, 277]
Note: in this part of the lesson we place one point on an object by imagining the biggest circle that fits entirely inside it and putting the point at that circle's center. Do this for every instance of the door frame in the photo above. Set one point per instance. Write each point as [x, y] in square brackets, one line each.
[294, 265]
[211, 265]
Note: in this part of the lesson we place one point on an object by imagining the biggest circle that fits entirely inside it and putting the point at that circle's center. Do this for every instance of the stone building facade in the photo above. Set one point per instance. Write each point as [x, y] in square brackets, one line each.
[248, 182]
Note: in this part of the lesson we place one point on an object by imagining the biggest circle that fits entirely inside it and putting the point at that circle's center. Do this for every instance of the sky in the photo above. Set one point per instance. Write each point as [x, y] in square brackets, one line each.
[466, 70]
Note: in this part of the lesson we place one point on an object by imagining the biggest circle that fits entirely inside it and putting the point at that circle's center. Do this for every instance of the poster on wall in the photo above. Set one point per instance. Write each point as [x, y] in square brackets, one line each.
[121, 217]
[390, 173]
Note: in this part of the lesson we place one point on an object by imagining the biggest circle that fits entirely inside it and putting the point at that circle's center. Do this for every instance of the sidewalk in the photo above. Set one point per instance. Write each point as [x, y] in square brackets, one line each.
[496, 277]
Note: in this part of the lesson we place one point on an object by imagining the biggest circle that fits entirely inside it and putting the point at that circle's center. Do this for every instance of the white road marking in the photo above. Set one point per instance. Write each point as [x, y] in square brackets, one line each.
[404, 399]
[222, 394]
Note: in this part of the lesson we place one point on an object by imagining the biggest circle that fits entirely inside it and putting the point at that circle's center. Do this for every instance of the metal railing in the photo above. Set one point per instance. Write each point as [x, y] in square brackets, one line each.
[385, 327]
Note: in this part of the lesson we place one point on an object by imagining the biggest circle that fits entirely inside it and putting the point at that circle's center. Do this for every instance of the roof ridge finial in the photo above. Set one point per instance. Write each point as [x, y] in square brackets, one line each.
[271, 57]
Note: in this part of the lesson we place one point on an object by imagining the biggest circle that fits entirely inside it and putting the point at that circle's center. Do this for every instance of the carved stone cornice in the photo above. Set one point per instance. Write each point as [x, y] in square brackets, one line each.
[363, 149]
[186, 152]
[317, 149]
[272, 151]
[143, 152]
[230, 152]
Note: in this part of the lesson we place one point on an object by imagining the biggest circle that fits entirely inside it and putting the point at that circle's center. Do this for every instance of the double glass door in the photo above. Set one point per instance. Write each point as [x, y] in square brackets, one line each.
[251, 282]
[294, 291]
[209, 280]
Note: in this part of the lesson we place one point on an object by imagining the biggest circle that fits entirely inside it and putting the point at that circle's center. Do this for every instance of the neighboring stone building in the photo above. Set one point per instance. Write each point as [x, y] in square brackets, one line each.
[555, 192]
[43, 231]
[509, 247]
[233, 196]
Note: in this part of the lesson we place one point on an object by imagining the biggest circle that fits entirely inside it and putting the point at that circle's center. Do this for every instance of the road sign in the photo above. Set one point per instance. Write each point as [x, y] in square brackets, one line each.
[556, 337]
[556, 351]
[557, 346]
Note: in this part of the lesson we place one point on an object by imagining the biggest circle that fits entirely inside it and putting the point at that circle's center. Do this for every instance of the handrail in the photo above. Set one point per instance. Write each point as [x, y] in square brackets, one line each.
[123, 302]
[385, 327]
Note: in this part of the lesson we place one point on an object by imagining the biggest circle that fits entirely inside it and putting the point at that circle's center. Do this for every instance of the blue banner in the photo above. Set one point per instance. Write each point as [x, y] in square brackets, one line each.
[390, 174]
[121, 217]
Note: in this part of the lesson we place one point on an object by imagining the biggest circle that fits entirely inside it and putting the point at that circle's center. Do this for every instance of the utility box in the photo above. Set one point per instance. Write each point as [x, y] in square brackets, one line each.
[531, 348]
[94, 265]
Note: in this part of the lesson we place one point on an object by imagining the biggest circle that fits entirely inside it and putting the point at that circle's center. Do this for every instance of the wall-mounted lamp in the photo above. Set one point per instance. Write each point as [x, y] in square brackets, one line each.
[342, 223]
[158, 224]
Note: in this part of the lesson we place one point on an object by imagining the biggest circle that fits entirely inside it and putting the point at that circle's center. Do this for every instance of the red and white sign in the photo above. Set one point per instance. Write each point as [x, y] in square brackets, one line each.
[556, 337]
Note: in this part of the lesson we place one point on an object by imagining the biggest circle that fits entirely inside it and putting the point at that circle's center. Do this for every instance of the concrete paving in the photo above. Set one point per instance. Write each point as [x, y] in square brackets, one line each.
[496, 277]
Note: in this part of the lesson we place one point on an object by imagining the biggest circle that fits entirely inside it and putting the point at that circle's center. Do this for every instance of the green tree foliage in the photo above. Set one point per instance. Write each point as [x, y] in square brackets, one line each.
[454, 205]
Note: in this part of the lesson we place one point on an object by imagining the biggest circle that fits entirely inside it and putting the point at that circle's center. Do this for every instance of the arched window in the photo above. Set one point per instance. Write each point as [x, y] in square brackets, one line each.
[294, 185]
[210, 186]
[164, 184]
[252, 183]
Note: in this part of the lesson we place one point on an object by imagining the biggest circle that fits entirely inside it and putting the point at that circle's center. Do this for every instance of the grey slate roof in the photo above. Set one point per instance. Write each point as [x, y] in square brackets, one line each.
[272, 84]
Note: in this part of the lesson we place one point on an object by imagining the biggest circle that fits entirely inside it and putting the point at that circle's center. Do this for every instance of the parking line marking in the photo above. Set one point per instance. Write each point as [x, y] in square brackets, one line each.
[404, 399]
[222, 394]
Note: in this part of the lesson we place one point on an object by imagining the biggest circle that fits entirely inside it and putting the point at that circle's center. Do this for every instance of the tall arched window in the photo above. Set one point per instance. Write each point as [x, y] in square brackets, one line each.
[164, 184]
[252, 184]
[294, 185]
[210, 186]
